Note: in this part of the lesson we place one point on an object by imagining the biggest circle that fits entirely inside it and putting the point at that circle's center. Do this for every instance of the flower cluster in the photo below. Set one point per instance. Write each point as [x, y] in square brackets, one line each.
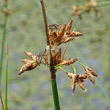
[79, 78]
[61, 34]
[30, 64]
[57, 36]
[91, 5]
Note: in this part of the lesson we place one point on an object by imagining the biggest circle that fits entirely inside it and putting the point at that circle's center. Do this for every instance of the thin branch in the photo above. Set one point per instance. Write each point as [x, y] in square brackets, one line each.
[45, 22]
[1, 101]
[65, 51]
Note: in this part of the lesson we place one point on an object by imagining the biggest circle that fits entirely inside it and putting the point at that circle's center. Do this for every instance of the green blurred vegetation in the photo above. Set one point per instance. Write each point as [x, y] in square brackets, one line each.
[25, 32]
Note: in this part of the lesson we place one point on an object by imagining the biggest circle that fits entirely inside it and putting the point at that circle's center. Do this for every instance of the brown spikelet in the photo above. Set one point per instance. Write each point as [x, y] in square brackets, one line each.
[27, 67]
[46, 59]
[26, 61]
[92, 71]
[73, 83]
[91, 3]
[82, 76]
[68, 27]
[60, 31]
[77, 11]
[66, 39]
[75, 34]
[68, 62]
[80, 83]
[69, 74]
[51, 37]
[57, 57]
[90, 76]
[29, 54]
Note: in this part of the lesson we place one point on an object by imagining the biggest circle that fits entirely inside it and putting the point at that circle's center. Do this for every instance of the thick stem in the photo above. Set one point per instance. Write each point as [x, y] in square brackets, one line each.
[51, 66]
[55, 94]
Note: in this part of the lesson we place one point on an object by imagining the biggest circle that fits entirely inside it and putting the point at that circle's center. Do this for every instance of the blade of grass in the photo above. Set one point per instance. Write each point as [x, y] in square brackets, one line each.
[6, 81]
[3, 39]
[2, 48]
[75, 50]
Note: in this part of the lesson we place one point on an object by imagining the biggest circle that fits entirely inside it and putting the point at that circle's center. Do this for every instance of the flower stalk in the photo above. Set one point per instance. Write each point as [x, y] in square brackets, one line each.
[51, 66]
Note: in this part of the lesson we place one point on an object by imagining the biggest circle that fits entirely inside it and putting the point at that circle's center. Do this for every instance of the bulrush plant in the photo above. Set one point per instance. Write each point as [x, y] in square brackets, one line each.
[91, 5]
[88, 7]
[53, 58]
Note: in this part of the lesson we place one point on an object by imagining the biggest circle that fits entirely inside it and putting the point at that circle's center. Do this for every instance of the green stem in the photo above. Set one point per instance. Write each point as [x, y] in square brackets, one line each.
[62, 69]
[74, 69]
[2, 49]
[3, 42]
[51, 66]
[81, 64]
[59, 65]
[55, 94]
[6, 83]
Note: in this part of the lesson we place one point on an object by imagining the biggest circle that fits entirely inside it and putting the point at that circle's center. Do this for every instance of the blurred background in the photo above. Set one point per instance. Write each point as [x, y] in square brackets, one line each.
[25, 32]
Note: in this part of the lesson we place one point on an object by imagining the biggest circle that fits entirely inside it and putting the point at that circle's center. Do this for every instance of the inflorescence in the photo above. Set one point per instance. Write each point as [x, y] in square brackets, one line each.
[57, 36]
